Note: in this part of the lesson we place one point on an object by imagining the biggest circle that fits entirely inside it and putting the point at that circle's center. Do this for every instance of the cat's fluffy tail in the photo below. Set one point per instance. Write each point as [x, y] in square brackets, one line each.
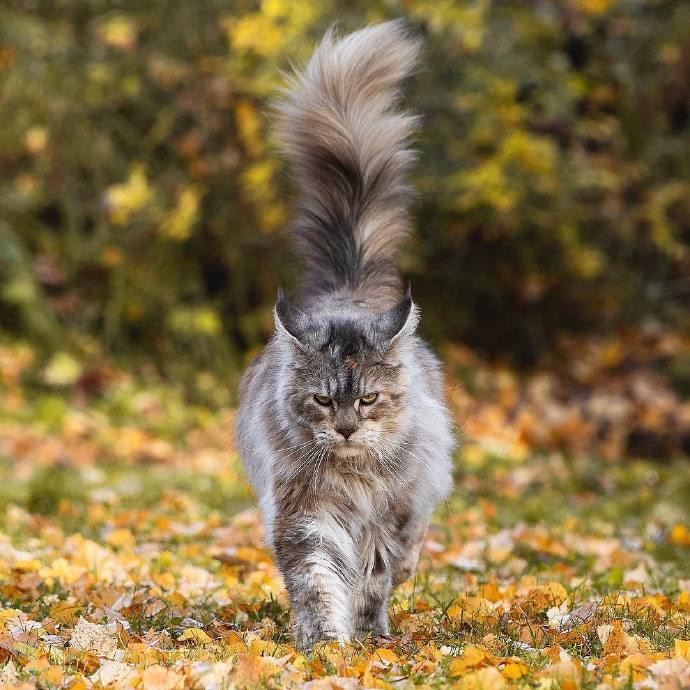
[347, 140]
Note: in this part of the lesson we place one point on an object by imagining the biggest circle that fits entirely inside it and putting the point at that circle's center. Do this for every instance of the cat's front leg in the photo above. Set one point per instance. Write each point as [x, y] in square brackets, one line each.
[371, 603]
[316, 559]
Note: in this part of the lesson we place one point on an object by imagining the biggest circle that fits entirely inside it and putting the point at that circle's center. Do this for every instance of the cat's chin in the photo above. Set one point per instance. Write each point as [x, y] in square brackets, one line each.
[349, 449]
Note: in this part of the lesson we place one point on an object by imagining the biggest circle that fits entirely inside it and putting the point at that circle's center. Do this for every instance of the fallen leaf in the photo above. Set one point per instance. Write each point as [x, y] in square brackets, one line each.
[195, 635]
[386, 656]
[159, 677]
[485, 679]
[682, 649]
[93, 638]
[471, 656]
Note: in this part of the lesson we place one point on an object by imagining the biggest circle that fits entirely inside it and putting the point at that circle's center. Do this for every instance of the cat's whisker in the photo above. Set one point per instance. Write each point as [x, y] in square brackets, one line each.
[304, 461]
[315, 475]
[294, 449]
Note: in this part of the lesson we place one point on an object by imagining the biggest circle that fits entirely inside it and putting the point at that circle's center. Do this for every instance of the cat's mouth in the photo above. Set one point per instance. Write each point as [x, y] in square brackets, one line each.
[347, 448]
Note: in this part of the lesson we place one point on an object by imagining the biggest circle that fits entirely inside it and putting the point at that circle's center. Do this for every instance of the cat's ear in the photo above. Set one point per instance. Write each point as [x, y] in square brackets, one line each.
[290, 321]
[402, 319]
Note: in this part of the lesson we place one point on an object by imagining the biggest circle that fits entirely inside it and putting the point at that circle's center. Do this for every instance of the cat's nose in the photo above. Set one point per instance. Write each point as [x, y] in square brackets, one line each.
[346, 431]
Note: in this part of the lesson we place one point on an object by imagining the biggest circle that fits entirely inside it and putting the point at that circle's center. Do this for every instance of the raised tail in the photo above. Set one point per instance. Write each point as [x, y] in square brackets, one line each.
[347, 140]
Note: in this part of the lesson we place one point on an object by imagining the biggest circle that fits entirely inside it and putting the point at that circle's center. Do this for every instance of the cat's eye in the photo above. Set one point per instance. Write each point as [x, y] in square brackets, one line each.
[368, 398]
[322, 399]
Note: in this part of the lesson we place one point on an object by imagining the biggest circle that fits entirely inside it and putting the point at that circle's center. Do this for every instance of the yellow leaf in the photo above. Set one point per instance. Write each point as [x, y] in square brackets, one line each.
[65, 612]
[78, 683]
[235, 644]
[53, 676]
[300, 662]
[557, 591]
[491, 592]
[470, 608]
[249, 126]
[196, 320]
[471, 656]
[179, 222]
[261, 647]
[514, 670]
[31, 565]
[684, 602]
[125, 199]
[593, 7]
[7, 614]
[165, 580]
[682, 649]
[485, 679]
[635, 665]
[119, 32]
[249, 554]
[122, 538]
[36, 139]
[159, 677]
[142, 654]
[255, 33]
[386, 656]
[195, 635]
[680, 535]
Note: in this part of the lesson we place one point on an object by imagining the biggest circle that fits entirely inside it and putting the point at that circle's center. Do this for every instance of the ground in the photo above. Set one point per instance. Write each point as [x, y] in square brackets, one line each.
[131, 556]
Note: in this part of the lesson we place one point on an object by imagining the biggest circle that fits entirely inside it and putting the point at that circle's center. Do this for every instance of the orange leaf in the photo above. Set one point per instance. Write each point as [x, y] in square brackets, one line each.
[616, 640]
[253, 669]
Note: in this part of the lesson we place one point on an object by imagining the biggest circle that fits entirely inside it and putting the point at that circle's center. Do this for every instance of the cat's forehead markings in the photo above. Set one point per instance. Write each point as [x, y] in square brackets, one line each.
[351, 363]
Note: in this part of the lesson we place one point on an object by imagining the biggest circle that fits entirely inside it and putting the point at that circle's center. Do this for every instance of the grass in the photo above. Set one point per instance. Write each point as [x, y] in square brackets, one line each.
[585, 525]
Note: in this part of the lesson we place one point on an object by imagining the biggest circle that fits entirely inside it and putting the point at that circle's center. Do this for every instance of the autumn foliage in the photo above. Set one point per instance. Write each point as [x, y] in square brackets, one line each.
[142, 201]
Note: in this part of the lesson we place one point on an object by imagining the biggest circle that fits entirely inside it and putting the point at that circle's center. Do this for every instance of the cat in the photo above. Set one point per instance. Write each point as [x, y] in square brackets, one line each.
[341, 425]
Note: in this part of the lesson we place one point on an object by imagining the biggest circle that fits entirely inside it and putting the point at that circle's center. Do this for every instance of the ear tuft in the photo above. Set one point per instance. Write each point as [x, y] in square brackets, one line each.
[398, 320]
[290, 321]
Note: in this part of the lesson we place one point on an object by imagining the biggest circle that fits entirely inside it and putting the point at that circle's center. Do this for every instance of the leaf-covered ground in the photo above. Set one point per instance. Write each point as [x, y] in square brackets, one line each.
[131, 556]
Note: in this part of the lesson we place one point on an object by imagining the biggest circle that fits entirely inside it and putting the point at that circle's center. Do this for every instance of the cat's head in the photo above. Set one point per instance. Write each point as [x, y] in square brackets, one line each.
[348, 375]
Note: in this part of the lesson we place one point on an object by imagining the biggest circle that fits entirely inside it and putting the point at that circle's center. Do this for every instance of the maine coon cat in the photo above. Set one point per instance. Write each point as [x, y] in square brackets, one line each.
[342, 426]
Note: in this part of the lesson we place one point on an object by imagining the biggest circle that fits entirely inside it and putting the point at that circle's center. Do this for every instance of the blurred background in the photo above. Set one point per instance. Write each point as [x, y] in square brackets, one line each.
[143, 209]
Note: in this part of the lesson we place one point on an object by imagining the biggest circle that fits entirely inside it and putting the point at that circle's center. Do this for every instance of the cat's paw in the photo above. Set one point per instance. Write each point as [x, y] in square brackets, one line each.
[308, 636]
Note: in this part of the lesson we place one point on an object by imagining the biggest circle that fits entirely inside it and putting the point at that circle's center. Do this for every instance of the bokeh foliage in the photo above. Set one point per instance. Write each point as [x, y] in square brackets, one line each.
[142, 204]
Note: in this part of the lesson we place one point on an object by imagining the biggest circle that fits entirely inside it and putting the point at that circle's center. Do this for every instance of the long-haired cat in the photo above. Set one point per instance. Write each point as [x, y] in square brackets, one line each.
[342, 425]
